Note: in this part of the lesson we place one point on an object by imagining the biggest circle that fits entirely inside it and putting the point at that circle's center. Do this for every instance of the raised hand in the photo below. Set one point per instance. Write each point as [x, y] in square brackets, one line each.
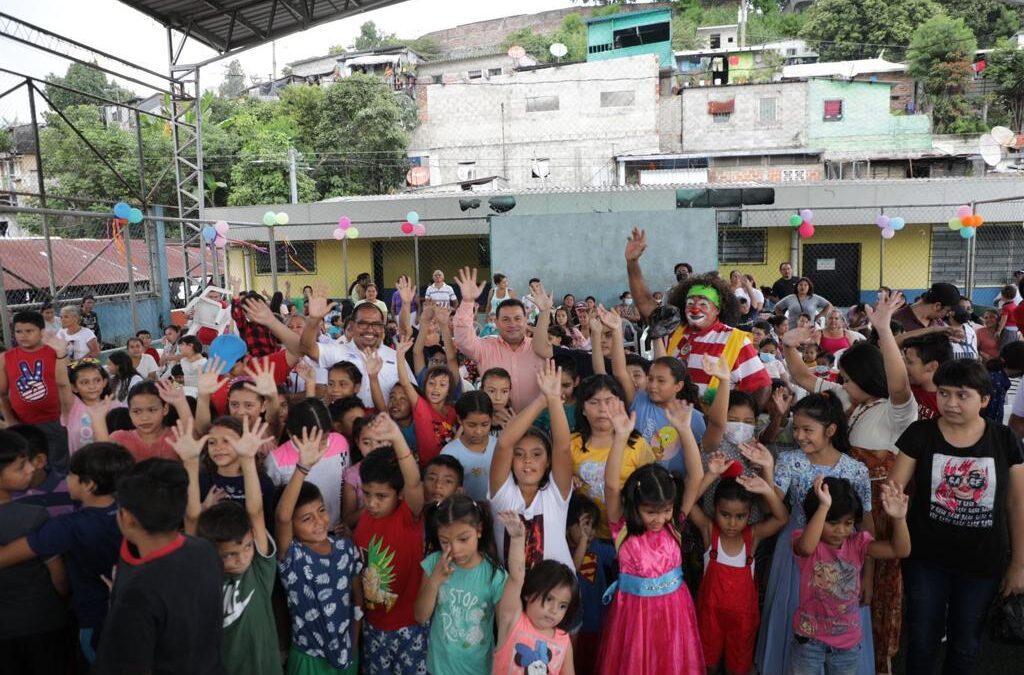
[758, 455]
[305, 370]
[100, 409]
[406, 291]
[780, 402]
[755, 485]
[821, 489]
[795, 337]
[215, 496]
[881, 314]
[428, 311]
[466, 279]
[402, 347]
[55, 343]
[383, 428]
[184, 443]
[210, 379]
[609, 319]
[623, 421]
[718, 463]
[502, 417]
[310, 446]
[549, 379]
[513, 524]
[679, 413]
[374, 363]
[895, 502]
[318, 304]
[262, 374]
[259, 312]
[636, 245]
[716, 367]
[252, 438]
[170, 392]
[543, 300]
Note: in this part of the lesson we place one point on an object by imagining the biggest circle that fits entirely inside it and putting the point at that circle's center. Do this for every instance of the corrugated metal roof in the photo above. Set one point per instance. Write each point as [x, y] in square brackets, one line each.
[24, 262]
[226, 25]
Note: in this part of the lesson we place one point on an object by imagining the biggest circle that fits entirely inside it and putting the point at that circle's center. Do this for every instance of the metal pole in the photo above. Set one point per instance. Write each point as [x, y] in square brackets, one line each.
[416, 256]
[344, 262]
[272, 247]
[4, 317]
[969, 277]
[292, 178]
[881, 253]
[131, 276]
[160, 262]
[42, 191]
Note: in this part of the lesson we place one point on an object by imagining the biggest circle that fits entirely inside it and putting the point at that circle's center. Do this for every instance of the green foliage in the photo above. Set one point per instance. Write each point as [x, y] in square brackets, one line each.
[772, 24]
[854, 29]
[87, 80]
[234, 80]
[1006, 70]
[535, 44]
[939, 57]
[260, 174]
[371, 37]
[990, 20]
[6, 142]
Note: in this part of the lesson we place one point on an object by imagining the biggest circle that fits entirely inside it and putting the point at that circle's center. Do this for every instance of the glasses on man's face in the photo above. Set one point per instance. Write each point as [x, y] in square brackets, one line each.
[375, 325]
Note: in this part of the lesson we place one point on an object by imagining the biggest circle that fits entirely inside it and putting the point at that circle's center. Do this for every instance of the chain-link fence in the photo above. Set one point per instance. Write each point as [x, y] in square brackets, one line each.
[848, 259]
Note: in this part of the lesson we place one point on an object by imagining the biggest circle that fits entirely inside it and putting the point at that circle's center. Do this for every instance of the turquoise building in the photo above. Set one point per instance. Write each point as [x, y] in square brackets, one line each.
[854, 115]
[631, 34]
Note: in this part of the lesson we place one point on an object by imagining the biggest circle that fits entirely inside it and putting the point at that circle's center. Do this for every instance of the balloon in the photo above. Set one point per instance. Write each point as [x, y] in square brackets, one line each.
[807, 214]
[966, 232]
[795, 220]
[269, 218]
[897, 223]
[344, 223]
[282, 218]
[352, 233]
[888, 233]
[963, 210]
[407, 228]
[978, 220]
[122, 210]
[339, 233]
[221, 241]
[882, 221]
[419, 229]
[135, 216]
[209, 234]
[228, 348]
[806, 230]
[954, 223]
[412, 217]
[222, 227]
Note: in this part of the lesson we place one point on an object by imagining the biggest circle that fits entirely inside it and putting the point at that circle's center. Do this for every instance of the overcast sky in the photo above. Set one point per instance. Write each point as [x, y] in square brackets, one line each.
[114, 27]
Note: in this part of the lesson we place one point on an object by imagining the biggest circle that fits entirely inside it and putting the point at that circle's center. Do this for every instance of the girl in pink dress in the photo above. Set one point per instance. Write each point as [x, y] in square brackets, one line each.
[652, 625]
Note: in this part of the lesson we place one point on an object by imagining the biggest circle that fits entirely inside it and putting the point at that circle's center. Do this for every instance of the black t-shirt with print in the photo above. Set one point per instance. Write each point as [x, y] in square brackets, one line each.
[957, 516]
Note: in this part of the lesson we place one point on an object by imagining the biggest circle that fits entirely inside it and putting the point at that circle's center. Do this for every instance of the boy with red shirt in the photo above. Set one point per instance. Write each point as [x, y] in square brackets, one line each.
[29, 377]
[390, 536]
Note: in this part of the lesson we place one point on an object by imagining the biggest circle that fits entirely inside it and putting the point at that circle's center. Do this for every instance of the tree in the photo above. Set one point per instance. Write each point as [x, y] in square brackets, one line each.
[988, 19]
[234, 80]
[260, 175]
[370, 37]
[854, 29]
[1005, 67]
[939, 57]
[6, 142]
[535, 44]
[87, 80]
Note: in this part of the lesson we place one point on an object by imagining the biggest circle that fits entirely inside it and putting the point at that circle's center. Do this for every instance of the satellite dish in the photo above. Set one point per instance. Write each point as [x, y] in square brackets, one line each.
[516, 52]
[418, 176]
[1003, 136]
[990, 150]
[541, 167]
[558, 50]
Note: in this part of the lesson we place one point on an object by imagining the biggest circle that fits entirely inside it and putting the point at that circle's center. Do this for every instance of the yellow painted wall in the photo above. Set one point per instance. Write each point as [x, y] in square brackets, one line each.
[907, 255]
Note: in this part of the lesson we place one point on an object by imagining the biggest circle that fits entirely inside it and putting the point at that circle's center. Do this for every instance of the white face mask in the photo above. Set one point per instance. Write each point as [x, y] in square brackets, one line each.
[738, 432]
[628, 301]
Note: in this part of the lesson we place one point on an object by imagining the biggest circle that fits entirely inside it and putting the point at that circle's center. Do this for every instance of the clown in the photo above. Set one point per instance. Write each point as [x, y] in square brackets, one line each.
[708, 309]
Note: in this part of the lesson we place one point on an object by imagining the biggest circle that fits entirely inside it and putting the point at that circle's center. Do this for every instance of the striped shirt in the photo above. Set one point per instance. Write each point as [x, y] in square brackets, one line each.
[748, 373]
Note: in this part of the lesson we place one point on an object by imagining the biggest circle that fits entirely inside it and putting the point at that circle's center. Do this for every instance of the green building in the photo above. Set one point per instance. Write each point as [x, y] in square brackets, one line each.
[631, 34]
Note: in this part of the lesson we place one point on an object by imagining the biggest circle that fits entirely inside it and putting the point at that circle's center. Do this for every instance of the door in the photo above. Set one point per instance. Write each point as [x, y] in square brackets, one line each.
[835, 271]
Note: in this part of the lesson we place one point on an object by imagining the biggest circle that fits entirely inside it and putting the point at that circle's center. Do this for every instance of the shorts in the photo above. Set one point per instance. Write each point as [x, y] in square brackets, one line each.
[301, 663]
[394, 652]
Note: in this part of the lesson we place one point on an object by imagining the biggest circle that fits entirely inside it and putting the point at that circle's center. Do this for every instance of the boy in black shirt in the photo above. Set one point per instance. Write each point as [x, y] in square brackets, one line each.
[165, 608]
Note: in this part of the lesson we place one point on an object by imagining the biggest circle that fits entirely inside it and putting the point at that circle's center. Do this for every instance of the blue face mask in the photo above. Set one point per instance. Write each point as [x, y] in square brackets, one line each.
[766, 357]
[822, 370]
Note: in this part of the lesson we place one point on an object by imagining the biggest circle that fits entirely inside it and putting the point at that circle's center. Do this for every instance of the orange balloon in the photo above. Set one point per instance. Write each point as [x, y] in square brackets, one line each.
[978, 220]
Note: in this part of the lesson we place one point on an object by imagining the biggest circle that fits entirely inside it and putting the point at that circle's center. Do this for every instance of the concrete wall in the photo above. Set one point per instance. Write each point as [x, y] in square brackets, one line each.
[116, 319]
[462, 122]
[582, 254]
[744, 129]
[763, 172]
[902, 93]
[867, 124]
[456, 70]
[600, 33]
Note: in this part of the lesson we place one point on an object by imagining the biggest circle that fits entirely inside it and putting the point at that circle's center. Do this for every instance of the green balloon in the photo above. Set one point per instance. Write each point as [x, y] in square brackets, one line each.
[135, 216]
[269, 218]
[795, 220]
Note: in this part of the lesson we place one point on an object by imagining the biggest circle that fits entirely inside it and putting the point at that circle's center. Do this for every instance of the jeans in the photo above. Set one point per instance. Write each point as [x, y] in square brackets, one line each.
[809, 655]
[941, 602]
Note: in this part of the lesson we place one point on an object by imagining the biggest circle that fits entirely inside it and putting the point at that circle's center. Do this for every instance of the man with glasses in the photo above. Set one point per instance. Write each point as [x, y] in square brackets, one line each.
[367, 338]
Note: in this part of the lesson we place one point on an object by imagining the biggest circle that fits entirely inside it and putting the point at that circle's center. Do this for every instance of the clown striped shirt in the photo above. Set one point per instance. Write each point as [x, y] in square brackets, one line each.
[748, 373]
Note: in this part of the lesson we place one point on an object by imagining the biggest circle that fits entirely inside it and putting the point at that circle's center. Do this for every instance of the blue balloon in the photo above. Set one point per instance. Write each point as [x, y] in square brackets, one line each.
[897, 223]
[209, 233]
[966, 232]
[229, 349]
[412, 217]
[122, 210]
[135, 216]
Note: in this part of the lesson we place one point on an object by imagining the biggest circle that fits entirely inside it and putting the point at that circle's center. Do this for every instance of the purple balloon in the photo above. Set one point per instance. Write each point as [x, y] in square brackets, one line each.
[344, 222]
[807, 214]
[882, 221]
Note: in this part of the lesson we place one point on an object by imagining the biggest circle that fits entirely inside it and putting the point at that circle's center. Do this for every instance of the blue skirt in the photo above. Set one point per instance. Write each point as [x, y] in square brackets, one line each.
[781, 598]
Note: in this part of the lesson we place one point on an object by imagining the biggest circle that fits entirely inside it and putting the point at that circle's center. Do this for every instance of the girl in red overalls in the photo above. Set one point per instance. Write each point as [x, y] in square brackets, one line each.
[727, 611]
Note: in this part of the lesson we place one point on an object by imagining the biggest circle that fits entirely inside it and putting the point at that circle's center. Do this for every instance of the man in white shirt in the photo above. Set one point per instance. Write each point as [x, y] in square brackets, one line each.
[145, 365]
[439, 292]
[367, 335]
[528, 300]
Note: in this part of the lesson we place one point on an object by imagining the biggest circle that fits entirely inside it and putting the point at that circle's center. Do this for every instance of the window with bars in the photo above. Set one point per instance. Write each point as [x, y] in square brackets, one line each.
[541, 103]
[297, 257]
[721, 118]
[833, 110]
[768, 110]
[746, 245]
[616, 99]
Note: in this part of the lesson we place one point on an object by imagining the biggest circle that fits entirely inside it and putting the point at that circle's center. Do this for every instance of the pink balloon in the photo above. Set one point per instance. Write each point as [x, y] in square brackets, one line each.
[222, 227]
[220, 241]
[963, 211]
[419, 230]
[888, 233]
[407, 228]
[344, 223]
[806, 230]
[339, 233]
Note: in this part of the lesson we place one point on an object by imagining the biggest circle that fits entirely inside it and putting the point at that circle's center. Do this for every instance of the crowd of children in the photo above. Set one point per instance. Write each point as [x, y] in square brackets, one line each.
[338, 498]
